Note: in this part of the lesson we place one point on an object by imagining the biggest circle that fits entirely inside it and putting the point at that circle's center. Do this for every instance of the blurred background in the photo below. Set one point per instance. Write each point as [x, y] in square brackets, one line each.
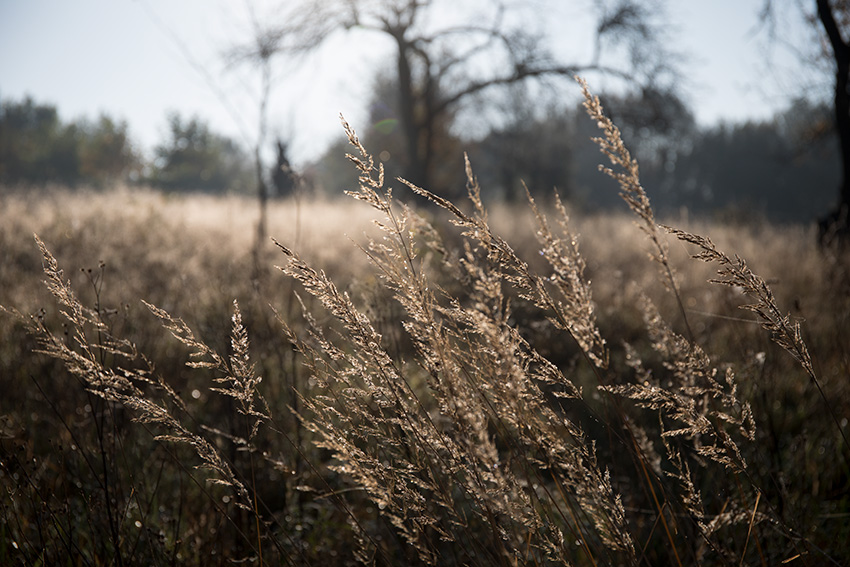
[728, 105]
[138, 137]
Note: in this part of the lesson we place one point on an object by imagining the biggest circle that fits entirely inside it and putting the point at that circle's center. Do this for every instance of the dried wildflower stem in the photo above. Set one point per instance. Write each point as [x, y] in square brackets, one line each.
[750, 528]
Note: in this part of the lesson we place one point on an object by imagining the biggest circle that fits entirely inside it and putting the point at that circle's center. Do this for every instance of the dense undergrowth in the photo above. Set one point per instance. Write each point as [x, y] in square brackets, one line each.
[443, 385]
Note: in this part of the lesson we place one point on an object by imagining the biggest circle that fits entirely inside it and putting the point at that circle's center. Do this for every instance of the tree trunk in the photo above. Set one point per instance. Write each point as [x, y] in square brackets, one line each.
[416, 170]
[262, 230]
[263, 196]
[262, 189]
[835, 225]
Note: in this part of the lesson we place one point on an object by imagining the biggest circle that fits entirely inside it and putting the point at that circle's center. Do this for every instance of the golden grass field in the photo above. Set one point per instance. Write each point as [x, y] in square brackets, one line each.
[526, 393]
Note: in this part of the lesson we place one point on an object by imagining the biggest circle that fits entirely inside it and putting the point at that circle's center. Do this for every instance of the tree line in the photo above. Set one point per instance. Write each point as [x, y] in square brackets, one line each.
[489, 69]
[442, 69]
[37, 148]
[785, 168]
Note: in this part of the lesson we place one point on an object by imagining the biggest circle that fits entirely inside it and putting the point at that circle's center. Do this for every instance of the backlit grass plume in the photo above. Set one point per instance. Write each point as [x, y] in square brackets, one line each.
[455, 399]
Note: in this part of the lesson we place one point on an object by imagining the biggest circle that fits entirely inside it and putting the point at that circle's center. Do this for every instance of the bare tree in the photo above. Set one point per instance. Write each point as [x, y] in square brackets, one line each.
[442, 62]
[830, 19]
[265, 44]
[837, 221]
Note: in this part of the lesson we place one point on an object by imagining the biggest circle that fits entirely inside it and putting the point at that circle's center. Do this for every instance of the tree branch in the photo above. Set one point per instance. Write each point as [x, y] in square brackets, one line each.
[522, 72]
[827, 18]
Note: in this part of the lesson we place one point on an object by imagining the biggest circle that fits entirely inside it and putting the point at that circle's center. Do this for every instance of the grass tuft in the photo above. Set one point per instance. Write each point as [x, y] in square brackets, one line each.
[472, 391]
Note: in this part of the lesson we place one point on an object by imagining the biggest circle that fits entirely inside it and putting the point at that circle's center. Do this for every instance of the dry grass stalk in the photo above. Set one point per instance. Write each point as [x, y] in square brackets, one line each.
[469, 443]
[611, 144]
[697, 383]
[126, 385]
[482, 374]
[783, 331]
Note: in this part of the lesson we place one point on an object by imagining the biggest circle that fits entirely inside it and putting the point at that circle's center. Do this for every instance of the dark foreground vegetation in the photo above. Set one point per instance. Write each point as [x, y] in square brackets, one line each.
[457, 386]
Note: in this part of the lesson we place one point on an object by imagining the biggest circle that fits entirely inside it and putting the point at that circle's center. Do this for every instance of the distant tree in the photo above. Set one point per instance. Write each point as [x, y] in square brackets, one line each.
[749, 170]
[532, 149]
[386, 136]
[538, 146]
[264, 44]
[36, 147]
[284, 178]
[27, 132]
[332, 171]
[831, 21]
[835, 19]
[106, 152]
[484, 46]
[196, 159]
[62, 156]
[654, 121]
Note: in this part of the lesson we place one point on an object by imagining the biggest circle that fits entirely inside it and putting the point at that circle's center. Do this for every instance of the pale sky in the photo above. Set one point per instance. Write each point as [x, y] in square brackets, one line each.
[124, 58]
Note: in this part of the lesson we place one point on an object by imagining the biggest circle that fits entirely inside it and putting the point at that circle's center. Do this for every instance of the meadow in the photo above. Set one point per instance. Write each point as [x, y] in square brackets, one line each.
[391, 383]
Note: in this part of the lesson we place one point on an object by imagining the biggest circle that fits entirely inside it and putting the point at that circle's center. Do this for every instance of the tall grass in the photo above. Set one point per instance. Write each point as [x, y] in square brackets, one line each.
[467, 396]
